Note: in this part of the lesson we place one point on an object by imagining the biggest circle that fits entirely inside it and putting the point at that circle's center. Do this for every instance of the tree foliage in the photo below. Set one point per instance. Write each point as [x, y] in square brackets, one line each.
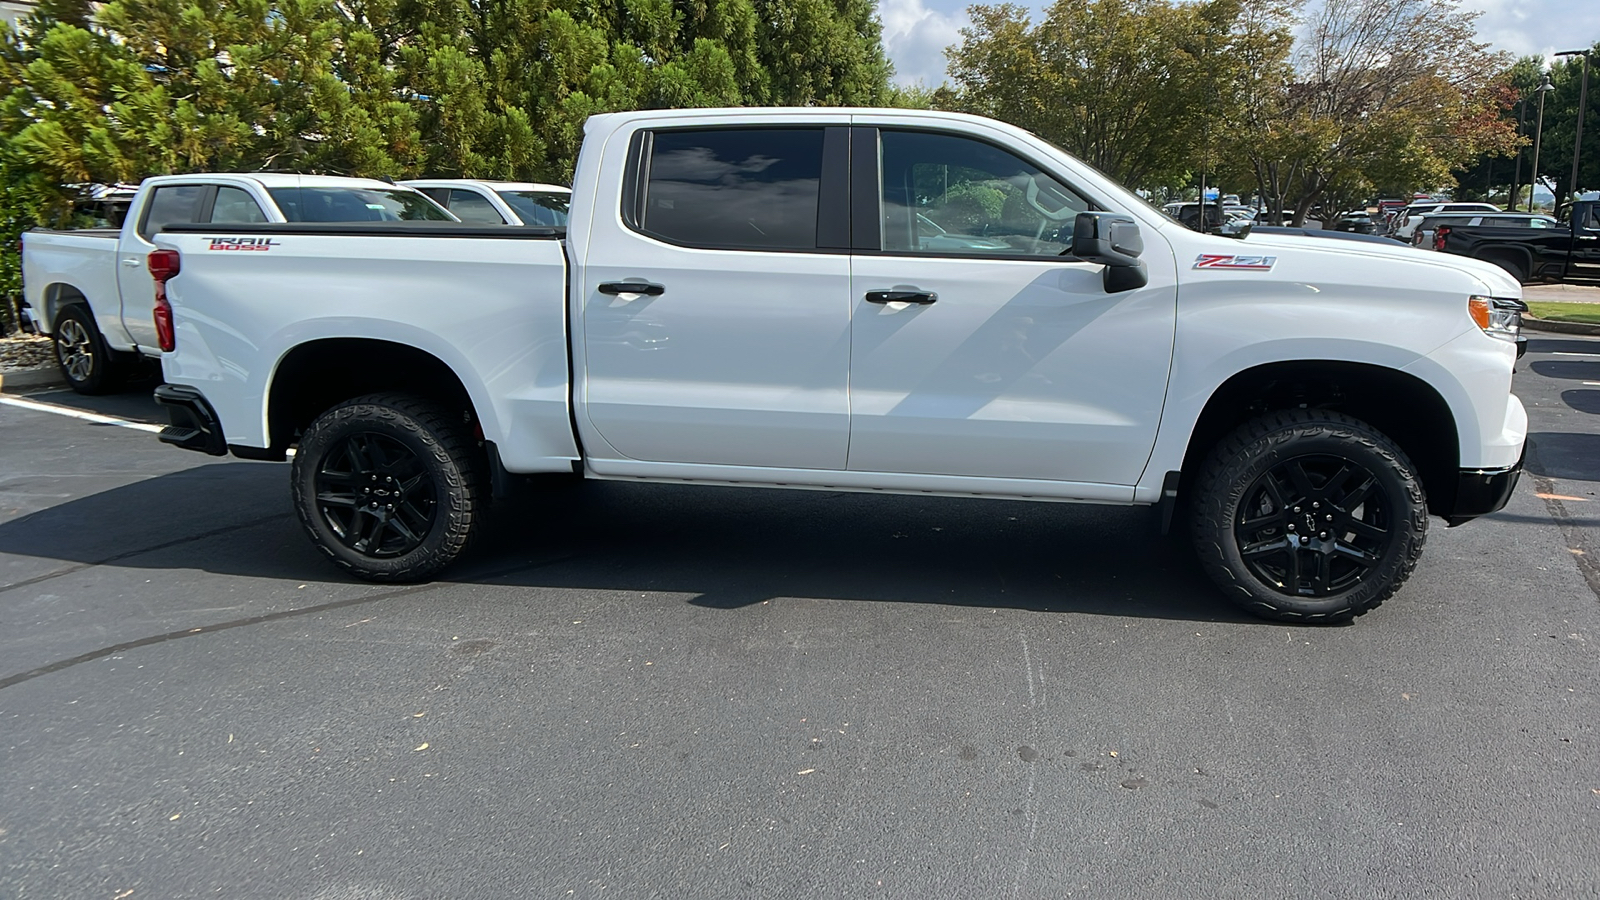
[114, 92]
[1560, 128]
[1131, 86]
[1376, 92]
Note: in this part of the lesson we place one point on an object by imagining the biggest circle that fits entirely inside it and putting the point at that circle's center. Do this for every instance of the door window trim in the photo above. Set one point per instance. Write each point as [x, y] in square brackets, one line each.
[833, 197]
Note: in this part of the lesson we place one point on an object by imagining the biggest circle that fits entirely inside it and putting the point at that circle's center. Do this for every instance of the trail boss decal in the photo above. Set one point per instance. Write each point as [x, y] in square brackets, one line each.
[1224, 261]
[242, 243]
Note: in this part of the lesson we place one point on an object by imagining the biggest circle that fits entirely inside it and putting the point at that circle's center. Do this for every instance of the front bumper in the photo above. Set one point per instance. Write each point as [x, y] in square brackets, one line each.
[194, 424]
[1480, 492]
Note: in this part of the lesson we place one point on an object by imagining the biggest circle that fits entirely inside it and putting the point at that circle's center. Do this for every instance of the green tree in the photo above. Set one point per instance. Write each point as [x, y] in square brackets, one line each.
[157, 86]
[1560, 128]
[1131, 86]
[1378, 92]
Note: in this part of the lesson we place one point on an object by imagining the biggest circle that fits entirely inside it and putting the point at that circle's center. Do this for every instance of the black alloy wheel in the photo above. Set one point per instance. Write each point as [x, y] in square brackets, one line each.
[1312, 526]
[376, 495]
[389, 486]
[1308, 515]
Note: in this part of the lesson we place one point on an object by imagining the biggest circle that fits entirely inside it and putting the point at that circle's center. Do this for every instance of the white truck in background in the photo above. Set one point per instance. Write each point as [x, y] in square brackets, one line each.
[478, 202]
[866, 300]
[92, 291]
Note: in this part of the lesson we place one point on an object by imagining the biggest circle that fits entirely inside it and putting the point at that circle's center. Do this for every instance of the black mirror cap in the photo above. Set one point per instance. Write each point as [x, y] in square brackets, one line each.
[1109, 238]
[1113, 240]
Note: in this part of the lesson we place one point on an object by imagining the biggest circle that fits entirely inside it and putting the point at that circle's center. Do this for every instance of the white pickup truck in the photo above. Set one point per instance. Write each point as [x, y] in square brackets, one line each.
[867, 300]
[93, 292]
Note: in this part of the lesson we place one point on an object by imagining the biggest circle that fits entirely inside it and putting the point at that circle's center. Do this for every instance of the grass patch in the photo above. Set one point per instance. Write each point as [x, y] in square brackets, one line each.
[1586, 313]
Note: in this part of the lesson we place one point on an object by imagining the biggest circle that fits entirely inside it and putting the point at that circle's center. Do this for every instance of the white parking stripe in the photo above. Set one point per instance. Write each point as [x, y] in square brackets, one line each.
[79, 414]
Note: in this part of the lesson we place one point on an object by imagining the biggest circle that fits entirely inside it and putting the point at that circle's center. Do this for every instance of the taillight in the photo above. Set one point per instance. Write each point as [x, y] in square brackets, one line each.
[1438, 237]
[163, 265]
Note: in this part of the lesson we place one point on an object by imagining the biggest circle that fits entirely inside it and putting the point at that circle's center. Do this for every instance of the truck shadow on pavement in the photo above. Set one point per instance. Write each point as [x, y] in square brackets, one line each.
[726, 548]
[1564, 455]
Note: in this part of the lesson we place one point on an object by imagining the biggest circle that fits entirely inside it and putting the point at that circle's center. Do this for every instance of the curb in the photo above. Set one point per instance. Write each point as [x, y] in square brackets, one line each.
[30, 378]
[1560, 327]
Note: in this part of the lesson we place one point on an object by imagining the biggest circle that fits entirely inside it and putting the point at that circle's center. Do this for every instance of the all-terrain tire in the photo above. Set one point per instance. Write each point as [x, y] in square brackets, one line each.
[1283, 489]
[86, 363]
[382, 530]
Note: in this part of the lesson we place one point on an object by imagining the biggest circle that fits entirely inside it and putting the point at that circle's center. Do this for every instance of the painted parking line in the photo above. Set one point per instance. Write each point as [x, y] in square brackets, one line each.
[68, 411]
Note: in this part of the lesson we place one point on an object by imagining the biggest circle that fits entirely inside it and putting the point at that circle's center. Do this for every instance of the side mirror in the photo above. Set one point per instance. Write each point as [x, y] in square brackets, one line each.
[1237, 228]
[1113, 240]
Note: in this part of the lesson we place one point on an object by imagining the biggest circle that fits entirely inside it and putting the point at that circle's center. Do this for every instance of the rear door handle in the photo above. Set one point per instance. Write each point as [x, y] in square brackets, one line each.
[613, 288]
[919, 297]
[130, 262]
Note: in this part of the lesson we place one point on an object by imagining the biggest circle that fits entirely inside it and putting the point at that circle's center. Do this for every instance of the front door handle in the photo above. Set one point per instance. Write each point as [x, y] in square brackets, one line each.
[902, 296]
[613, 288]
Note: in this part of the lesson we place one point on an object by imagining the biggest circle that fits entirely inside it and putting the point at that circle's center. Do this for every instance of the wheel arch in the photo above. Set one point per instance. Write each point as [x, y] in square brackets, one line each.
[1407, 409]
[1511, 252]
[319, 374]
[59, 296]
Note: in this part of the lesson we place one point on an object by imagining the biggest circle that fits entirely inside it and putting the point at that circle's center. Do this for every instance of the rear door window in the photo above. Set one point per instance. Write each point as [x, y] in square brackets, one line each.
[348, 204]
[171, 205]
[734, 189]
[473, 208]
[234, 206]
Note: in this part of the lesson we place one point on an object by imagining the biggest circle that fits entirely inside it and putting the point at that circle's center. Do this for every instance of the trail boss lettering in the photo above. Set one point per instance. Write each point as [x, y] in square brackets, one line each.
[242, 243]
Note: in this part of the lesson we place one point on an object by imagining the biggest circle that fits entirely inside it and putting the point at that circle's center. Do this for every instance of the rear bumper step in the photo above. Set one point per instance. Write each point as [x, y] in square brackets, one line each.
[194, 424]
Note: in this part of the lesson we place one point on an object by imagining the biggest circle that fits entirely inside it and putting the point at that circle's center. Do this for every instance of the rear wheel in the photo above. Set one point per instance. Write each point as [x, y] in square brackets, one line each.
[389, 486]
[85, 362]
[1514, 267]
[1309, 516]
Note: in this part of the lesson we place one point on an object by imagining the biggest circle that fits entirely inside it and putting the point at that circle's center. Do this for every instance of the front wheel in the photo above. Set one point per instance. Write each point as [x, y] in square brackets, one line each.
[1309, 516]
[388, 486]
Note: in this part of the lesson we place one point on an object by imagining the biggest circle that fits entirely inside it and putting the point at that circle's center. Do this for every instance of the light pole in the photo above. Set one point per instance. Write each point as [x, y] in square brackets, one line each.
[1545, 87]
[1583, 103]
[1516, 174]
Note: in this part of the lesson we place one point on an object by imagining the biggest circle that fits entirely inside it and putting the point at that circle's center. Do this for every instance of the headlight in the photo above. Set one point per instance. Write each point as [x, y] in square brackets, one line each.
[1498, 318]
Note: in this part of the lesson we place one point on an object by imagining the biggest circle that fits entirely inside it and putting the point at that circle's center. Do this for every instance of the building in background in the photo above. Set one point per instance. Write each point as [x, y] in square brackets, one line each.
[11, 11]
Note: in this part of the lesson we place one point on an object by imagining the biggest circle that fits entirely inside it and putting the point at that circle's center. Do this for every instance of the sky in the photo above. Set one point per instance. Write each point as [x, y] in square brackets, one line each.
[917, 31]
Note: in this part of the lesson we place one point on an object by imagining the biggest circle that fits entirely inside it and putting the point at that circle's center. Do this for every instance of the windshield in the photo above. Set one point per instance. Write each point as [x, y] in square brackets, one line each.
[538, 207]
[348, 204]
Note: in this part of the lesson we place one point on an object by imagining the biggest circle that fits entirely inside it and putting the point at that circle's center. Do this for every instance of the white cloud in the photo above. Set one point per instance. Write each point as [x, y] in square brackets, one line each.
[915, 37]
[1537, 27]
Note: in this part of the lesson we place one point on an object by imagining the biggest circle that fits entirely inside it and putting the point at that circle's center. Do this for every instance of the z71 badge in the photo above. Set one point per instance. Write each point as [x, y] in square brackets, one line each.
[242, 243]
[1224, 261]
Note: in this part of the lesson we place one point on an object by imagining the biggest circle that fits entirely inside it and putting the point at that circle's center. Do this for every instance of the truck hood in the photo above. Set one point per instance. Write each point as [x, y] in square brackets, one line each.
[1493, 281]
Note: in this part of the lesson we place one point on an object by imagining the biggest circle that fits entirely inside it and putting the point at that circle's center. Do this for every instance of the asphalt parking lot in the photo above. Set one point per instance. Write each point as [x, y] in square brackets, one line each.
[641, 691]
